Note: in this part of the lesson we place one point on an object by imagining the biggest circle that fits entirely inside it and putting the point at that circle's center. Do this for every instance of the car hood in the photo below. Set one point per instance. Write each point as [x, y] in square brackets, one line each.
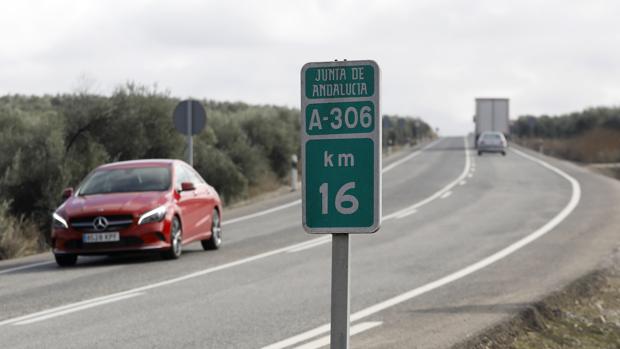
[129, 203]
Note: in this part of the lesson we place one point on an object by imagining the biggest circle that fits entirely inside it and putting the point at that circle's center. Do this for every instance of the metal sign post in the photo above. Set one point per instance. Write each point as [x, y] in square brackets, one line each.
[341, 166]
[190, 139]
[189, 118]
[341, 300]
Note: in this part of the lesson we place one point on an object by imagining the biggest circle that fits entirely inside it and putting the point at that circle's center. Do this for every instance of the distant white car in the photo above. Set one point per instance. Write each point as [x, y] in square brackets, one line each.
[492, 142]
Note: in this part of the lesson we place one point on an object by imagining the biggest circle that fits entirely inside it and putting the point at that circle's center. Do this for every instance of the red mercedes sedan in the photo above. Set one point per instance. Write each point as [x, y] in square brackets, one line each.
[139, 205]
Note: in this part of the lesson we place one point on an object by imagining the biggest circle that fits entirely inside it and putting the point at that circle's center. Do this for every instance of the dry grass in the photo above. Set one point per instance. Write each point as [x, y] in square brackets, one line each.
[598, 145]
[18, 235]
[584, 315]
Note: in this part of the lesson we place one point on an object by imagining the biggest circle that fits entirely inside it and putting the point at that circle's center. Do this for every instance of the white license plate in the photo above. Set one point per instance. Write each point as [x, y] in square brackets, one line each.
[101, 237]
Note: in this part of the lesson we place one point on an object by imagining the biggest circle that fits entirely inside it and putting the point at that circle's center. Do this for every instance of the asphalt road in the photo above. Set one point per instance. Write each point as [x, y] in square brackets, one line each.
[466, 241]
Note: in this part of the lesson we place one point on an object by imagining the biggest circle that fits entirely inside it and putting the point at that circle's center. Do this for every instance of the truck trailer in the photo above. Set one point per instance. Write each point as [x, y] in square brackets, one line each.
[492, 114]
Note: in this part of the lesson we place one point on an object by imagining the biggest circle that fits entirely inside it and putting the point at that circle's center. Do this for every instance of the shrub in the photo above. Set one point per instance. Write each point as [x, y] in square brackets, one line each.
[18, 236]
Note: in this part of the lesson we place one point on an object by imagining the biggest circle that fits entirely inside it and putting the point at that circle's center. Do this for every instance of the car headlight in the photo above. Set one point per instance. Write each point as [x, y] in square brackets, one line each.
[154, 215]
[58, 221]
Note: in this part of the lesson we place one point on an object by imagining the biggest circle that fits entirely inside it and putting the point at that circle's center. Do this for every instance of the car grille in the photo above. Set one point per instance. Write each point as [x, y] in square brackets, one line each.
[115, 222]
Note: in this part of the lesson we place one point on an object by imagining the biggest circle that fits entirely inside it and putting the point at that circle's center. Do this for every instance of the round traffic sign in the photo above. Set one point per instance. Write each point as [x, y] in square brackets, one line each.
[189, 117]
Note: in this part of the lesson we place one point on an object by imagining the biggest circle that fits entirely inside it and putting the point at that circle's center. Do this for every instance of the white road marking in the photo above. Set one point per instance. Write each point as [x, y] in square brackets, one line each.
[6, 271]
[297, 202]
[323, 341]
[310, 244]
[410, 156]
[470, 175]
[261, 213]
[161, 283]
[438, 193]
[407, 213]
[446, 194]
[463, 183]
[139, 290]
[411, 209]
[52, 313]
[501, 254]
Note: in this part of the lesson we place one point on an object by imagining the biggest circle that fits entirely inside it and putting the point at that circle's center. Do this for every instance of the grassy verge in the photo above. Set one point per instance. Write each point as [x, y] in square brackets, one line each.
[586, 314]
[18, 236]
[598, 145]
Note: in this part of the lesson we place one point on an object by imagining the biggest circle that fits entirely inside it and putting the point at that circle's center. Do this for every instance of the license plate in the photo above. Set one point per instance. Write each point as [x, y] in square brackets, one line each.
[101, 237]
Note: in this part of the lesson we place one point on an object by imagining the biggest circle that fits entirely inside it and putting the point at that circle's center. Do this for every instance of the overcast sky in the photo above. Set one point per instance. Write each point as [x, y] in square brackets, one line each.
[436, 56]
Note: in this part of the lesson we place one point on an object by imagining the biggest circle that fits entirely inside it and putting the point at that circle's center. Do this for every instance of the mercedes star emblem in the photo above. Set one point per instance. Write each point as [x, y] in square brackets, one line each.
[100, 223]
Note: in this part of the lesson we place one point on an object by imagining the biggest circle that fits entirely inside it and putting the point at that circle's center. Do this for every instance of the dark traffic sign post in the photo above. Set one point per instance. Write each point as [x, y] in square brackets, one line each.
[341, 166]
[189, 118]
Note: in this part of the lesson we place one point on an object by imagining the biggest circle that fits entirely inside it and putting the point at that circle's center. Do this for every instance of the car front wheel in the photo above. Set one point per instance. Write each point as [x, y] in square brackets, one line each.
[214, 242]
[176, 242]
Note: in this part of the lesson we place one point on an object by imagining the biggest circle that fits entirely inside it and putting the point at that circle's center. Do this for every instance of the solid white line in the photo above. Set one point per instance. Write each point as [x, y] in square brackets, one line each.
[61, 308]
[312, 243]
[323, 341]
[437, 193]
[503, 253]
[400, 213]
[262, 213]
[299, 338]
[298, 201]
[161, 283]
[446, 194]
[410, 156]
[178, 279]
[6, 271]
[407, 213]
[50, 315]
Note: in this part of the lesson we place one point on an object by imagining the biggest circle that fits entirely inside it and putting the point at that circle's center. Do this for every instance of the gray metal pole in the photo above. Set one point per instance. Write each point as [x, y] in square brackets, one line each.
[190, 140]
[340, 292]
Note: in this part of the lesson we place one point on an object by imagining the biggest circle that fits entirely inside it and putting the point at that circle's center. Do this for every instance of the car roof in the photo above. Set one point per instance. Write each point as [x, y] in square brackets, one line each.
[140, 163]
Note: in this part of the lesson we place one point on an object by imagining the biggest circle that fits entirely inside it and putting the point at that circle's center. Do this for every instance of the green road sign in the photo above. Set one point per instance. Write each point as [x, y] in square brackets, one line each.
[341, 147]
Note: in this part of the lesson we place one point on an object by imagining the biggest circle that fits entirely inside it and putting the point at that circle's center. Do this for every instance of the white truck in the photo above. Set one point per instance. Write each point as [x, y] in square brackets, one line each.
[492, 115]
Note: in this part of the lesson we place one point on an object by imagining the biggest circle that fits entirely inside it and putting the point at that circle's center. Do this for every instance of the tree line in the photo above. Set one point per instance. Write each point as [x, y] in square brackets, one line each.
[567, 125]
[51, 142]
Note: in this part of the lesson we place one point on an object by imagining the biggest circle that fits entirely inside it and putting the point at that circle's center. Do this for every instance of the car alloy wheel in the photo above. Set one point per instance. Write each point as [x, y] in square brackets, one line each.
[176, 240]
[214, 242]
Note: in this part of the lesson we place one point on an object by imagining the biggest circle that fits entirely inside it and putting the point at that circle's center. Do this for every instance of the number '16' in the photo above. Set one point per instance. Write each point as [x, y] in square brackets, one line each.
[341, 198]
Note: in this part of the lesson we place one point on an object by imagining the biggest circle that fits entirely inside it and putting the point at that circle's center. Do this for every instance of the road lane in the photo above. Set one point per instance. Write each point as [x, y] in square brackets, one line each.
[37, 289]
[263, 302]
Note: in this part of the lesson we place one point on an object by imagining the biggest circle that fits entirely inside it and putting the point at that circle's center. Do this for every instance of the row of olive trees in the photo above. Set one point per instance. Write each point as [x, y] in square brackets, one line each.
[52, 142]
[567, 125]
[399, 130]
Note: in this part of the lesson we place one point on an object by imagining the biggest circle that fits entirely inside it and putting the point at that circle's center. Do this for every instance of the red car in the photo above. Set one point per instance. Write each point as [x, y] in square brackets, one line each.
[135, 206]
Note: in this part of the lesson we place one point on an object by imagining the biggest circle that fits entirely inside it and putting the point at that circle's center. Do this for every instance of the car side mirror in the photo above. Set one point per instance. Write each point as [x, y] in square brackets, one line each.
[67, 193]
[187, 186]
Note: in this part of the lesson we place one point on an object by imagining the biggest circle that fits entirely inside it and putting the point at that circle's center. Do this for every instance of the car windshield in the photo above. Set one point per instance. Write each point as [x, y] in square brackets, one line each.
[127, 180]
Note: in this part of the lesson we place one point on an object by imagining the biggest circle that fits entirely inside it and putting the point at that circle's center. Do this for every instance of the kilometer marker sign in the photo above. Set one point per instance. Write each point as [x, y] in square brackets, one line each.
[341, 147]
